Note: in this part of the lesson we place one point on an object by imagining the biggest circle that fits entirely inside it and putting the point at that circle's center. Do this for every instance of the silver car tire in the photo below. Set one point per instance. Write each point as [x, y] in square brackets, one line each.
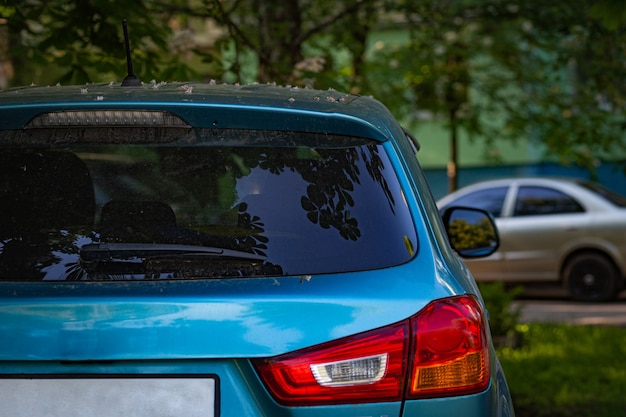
[592, 277]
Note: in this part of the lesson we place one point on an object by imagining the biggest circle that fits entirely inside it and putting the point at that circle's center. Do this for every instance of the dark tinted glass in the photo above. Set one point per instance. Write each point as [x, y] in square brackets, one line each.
[195, 210]
[532, 201]
[490, 199]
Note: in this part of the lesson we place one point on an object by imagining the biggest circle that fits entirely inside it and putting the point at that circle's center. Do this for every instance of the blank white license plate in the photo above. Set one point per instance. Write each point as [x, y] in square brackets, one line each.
[117, 396]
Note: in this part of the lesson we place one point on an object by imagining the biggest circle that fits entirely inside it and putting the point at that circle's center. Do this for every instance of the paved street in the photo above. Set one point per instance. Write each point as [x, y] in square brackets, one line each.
[557, 309]
[560, 311]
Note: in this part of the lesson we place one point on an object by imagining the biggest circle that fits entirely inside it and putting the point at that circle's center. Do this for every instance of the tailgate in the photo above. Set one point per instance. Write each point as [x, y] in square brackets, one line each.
[201, 319]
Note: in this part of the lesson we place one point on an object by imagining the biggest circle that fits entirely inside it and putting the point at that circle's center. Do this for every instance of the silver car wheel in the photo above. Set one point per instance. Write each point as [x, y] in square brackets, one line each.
[592, 277]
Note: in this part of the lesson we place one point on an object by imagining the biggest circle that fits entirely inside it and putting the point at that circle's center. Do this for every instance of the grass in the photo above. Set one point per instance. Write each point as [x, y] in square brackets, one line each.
[565, 370]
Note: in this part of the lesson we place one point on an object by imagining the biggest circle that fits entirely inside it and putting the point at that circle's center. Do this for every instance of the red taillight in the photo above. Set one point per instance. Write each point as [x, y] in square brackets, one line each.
[367, 367]
[448, 355]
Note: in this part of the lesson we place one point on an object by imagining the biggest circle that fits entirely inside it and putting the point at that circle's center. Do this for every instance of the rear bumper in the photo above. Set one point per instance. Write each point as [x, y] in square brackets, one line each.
[239, 392]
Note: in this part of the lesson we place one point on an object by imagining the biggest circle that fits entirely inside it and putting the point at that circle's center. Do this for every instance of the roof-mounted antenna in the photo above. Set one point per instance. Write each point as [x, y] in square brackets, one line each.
[131, 79]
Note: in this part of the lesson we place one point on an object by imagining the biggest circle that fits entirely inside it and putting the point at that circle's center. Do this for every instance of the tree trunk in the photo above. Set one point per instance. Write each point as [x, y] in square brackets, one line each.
[279, 25]
[453, 160]
[456, 96]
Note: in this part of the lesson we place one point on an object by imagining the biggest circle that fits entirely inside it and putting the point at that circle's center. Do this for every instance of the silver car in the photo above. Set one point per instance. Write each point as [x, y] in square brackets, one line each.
[555, 230]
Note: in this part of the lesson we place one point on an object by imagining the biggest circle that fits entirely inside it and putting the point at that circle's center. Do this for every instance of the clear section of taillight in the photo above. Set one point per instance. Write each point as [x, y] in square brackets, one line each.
[450, 354]
[351, 372]
[441, 351]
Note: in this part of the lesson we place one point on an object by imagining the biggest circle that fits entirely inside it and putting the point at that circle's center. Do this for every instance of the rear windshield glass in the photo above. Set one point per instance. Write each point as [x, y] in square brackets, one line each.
[612, 197]
[207, 205]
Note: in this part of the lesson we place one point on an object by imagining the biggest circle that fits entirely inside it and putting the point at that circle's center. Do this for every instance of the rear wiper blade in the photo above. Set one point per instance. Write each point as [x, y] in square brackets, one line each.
[112, 251]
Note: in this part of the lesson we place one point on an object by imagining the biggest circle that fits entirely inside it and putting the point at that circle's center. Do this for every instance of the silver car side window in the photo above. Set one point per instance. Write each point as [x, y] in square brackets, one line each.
[533, 201]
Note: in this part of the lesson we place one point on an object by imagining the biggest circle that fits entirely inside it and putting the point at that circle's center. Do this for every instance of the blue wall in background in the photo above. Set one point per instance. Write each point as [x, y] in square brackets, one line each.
[611, 176]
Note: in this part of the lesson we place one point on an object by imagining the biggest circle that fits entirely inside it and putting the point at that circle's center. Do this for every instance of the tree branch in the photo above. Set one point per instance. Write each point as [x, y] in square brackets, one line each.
[352, 9]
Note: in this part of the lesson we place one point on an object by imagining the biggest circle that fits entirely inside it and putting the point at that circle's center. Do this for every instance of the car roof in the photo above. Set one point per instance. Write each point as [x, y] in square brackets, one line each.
[518, 181]
[573, 186]
[524, 180]
[252, 106]
[505, 182]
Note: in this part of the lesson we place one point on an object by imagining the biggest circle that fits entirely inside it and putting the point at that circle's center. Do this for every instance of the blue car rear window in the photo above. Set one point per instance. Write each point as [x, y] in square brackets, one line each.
[207, 205]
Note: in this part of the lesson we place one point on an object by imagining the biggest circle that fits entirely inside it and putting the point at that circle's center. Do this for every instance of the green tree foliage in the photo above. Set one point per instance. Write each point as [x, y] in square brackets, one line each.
[547, 71]
[81, 41]
[572, 75]
[296, 41]
[544, 70]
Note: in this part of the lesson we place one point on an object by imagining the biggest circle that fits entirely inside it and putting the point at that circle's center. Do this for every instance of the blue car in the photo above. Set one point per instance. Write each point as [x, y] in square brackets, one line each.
[198, 249]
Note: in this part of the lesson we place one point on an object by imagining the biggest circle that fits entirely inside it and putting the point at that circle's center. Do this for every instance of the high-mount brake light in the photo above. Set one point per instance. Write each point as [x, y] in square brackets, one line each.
[110, 118]
[448, 355]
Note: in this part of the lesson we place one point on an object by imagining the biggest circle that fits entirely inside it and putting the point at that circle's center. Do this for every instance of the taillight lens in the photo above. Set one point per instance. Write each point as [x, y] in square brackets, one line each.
[369, 367]
[443, 350]
[450, 354]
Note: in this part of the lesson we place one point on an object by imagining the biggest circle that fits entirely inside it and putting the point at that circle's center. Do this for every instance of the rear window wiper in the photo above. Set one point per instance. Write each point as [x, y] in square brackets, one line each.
[138, 251]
